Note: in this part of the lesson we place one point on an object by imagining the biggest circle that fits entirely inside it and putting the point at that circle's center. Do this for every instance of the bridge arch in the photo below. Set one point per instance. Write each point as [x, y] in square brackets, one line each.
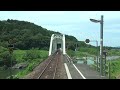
[57, 41]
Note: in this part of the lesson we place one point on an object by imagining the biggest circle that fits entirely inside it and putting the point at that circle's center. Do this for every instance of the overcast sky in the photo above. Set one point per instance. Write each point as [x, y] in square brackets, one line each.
[75, 23]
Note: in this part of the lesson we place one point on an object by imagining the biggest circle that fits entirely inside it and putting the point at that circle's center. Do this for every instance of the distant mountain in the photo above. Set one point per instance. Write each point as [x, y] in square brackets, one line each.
[118, 47]
[26, 35]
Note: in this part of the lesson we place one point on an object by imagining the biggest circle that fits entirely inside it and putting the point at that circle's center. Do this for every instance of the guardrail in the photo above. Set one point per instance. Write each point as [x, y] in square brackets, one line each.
[106, 68]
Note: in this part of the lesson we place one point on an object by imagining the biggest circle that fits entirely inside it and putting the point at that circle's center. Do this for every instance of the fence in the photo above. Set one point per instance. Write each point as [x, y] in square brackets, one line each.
[106, 66]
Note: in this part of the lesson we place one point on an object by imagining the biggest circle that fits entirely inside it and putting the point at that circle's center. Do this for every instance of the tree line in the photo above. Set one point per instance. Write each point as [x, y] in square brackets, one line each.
[27, 35]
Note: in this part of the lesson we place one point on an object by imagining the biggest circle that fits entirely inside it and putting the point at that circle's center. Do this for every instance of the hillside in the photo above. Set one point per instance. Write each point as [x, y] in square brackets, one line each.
[27, 35]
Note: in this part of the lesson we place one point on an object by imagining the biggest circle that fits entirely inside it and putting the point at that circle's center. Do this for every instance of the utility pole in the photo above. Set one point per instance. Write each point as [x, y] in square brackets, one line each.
[101, 42]
[101, 45]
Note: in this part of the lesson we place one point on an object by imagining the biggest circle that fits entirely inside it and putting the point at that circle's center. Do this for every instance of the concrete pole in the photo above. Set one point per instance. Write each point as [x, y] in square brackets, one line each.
[101, 46]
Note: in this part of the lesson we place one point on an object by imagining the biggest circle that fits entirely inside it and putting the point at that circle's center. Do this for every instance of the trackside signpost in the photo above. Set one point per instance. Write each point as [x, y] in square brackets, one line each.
[87, 40]
[11, 47]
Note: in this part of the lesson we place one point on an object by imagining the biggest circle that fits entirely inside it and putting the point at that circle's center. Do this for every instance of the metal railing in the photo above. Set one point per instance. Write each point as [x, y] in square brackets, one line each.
[106, 68]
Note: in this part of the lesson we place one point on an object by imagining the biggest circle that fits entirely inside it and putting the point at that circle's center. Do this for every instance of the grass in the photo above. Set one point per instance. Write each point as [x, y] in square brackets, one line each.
[79, 53]
[115, 68]
[19, 55]
[32, 63]
[43, 53]
[83, 54]
[114, 52]
[29, 68]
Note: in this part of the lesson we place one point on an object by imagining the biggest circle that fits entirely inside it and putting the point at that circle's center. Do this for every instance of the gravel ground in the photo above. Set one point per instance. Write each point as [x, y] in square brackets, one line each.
[35, 73]
[61, 73]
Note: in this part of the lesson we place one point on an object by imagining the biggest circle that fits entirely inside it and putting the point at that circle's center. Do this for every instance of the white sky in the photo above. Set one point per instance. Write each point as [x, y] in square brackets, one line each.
[75, 23]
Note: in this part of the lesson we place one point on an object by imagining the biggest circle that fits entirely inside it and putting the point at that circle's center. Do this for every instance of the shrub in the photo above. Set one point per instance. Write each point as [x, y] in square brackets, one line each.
[71, 53]
[31, 54]
[7, 58]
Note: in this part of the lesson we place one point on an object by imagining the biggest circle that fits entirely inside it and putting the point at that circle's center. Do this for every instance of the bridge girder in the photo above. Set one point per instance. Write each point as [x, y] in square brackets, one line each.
[55, 40]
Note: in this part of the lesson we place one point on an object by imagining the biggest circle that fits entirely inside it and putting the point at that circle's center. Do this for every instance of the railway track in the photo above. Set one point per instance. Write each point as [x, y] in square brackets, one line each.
[50, 70]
